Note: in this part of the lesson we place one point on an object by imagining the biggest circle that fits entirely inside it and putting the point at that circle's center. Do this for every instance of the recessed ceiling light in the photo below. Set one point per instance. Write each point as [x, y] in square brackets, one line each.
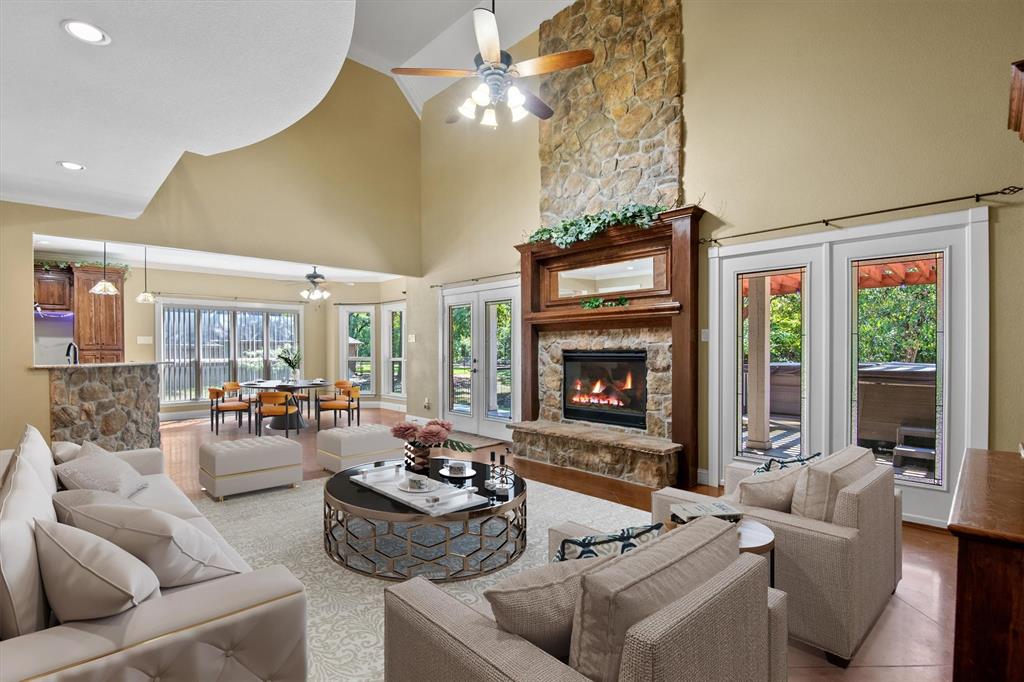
[70, 165]
[87, 33]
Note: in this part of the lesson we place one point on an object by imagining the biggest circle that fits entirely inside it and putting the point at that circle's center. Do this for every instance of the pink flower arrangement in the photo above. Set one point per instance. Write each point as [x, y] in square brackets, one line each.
[435, 434]
[432, 435]
[405, 430]
[444, 424]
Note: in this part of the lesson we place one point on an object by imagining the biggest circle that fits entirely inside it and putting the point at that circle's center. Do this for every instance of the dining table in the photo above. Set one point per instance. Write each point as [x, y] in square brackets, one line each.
[293, 421]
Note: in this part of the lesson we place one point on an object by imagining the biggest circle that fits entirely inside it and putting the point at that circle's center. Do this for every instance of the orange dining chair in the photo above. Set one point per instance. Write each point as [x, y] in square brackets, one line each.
[344, 399]
[233, 390]
[275, 404]
[303, 398]
[220, 405]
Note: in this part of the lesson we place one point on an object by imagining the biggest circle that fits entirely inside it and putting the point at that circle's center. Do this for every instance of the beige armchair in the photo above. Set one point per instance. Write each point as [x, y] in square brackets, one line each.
[838, 575]
[724, 630]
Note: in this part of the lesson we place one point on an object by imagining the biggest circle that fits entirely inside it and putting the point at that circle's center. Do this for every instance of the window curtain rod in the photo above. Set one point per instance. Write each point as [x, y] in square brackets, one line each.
[397, 300]
[239, 299]
[473, 280]
[828, 222]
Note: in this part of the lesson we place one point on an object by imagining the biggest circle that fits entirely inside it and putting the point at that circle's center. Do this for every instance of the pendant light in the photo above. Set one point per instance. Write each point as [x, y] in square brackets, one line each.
[103, 287]
[146, 296]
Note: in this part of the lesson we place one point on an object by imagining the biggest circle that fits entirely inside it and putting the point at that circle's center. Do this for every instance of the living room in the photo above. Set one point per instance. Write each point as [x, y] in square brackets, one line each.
[694, 239]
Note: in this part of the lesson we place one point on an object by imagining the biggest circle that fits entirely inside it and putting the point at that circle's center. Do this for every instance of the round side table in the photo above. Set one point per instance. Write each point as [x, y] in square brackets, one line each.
[757, 538]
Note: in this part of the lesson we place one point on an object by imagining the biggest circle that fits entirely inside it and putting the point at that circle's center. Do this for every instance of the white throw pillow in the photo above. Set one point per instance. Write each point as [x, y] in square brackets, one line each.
[178, 552]
[818, 485]
[771, 490]
[66, 500]
[88, 577]
[97, 469]
[34, 450]
[65, 451]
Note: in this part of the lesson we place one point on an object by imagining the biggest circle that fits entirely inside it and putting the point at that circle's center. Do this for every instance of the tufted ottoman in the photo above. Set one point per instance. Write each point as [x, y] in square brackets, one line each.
[341, 448]
[238, 466]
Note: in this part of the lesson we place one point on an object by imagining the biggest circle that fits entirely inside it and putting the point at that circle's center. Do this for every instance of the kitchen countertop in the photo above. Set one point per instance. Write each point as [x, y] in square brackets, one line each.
[92, 364]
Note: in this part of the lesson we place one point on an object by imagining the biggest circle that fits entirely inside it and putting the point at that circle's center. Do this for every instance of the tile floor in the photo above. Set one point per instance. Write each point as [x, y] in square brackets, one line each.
[912, 640]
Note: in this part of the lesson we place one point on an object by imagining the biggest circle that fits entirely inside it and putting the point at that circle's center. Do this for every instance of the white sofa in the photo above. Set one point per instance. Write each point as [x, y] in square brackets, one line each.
[247, 626]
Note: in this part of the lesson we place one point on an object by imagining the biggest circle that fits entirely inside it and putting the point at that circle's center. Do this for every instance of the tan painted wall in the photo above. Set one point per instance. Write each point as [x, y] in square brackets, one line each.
[480, 196]
[340, 187]
[857, 106]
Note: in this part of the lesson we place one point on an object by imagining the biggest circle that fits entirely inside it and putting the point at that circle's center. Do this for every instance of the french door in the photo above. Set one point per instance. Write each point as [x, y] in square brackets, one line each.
[480, 358]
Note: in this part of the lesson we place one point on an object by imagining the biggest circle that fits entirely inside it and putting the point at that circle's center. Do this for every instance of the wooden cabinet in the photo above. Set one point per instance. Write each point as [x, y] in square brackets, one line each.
[99, 320]
[53, 289]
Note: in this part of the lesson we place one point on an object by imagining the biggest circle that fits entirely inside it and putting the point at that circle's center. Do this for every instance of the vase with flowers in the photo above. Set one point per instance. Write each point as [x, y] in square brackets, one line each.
[292, 357]
[420, 439]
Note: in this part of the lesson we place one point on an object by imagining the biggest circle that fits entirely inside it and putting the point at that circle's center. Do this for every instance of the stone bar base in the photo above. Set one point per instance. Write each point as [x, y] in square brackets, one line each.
[632, 457]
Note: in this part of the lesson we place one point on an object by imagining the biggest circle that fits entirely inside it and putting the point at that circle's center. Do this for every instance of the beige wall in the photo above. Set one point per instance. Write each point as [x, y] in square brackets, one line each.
[799, 110]
[340, 188]
[480, 196]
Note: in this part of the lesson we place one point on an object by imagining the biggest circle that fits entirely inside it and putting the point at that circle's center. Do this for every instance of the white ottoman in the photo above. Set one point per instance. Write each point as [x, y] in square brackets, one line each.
[230, 467]
[341, 448]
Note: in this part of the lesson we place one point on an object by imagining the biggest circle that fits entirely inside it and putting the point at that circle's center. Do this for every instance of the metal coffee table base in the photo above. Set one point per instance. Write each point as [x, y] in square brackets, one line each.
[454, 547]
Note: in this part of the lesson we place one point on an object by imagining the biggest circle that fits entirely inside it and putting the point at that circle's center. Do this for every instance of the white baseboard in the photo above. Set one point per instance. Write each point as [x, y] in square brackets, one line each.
[415, 419]
[184, 414]
[702, 476]
[925, 520]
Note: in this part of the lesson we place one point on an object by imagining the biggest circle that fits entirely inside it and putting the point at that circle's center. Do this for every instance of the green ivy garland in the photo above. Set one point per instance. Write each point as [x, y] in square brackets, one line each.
[585, 227]
[48, 265]
[599, 302]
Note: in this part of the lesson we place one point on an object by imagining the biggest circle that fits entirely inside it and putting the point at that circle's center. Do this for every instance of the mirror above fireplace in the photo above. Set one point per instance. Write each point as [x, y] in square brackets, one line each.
[607, 278]
[607, 387]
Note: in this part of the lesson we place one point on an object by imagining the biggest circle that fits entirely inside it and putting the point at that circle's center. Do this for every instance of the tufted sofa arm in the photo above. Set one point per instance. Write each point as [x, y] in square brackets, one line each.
[243, 627]
[144, 460]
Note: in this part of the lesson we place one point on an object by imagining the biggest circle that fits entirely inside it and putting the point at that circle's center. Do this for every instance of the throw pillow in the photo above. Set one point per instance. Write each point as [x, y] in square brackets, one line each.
[88, 577]
[64, 451]
[34, 450]
[178, 552]
[818, 485]
[66, 500]
[97, 469]
[774, 463]
[538, 604]
[609, 544]
[773, 490]
[628, 588]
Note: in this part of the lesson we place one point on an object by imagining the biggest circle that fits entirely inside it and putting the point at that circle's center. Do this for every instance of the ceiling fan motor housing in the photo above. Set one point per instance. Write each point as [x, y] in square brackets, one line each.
[497, 75]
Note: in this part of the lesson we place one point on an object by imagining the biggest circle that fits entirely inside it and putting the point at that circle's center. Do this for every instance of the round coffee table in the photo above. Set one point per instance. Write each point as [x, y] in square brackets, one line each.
[757, 538]
[372, 534]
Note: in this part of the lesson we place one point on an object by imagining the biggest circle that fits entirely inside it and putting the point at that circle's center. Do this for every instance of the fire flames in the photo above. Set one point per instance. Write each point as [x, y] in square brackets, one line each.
[596, 395]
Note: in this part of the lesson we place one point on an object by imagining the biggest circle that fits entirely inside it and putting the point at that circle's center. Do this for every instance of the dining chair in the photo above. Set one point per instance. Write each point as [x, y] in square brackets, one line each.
[275, 404]
[220, 405]
[345, 398]
[233, 389]
[303, 397]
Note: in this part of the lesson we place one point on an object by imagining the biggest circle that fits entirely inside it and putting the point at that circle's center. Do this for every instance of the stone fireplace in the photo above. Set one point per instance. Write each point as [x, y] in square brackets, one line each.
[606, 387]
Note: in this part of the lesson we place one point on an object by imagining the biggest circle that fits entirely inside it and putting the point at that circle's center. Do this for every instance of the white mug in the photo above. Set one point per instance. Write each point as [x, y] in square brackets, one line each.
[457, 468]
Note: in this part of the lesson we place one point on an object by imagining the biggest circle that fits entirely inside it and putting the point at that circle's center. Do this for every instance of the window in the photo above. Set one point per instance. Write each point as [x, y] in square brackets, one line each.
[203, 346]
[393, 349]
[357, 335]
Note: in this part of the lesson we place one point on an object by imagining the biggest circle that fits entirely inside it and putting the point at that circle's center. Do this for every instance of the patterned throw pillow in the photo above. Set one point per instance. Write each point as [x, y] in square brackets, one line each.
[609, 544]
[774, 464]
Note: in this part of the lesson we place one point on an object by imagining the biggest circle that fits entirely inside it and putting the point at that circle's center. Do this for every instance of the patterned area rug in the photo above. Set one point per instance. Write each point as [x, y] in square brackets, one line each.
[480, 441]
[346, 610]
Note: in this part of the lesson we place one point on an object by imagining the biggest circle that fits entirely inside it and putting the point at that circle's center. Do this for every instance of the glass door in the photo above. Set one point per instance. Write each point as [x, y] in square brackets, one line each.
[480, 360]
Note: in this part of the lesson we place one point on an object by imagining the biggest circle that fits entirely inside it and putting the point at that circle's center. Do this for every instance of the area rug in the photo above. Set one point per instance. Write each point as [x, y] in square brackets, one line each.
[478, 441]
[345, 609]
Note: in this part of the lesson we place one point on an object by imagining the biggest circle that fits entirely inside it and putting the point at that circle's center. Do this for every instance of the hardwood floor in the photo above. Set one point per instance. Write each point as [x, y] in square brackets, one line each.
[912, 640]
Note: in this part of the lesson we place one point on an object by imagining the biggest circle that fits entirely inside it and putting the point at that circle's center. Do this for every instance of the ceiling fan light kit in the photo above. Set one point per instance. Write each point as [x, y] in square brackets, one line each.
[314, 292]
[499, 75]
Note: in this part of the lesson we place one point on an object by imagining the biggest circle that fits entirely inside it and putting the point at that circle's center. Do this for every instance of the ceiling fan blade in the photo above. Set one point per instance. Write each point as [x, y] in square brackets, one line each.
[486, 28]
[535, 105]
[445, 73]
[554, 62]
[453, 118]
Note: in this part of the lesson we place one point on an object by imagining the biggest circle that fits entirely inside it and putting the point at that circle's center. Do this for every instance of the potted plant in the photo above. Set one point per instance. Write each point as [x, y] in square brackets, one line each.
[419, 440]
[291, 357]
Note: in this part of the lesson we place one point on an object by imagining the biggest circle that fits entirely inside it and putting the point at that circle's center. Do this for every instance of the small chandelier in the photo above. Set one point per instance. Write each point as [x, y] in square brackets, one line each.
[103, 287]
[146, 296]
[314, 292]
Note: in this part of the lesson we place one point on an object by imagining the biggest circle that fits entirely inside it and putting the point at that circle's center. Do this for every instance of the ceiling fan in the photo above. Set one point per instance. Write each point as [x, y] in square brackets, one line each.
[499, 75]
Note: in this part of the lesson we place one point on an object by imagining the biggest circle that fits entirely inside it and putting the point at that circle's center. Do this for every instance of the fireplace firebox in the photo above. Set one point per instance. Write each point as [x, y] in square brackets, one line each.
[607, 387]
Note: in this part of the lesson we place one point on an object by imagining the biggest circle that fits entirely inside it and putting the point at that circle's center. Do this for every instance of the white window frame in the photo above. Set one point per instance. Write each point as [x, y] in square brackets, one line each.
[343, 336]
[963, 238]
[386, 358]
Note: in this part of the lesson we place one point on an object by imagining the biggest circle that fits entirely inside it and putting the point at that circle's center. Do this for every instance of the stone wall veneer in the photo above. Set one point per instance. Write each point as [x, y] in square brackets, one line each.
[115, 406]
[616, 136]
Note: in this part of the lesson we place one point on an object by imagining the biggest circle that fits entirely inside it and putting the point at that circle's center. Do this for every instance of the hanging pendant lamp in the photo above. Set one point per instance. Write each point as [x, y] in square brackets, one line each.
[103, 287]
[146, 296]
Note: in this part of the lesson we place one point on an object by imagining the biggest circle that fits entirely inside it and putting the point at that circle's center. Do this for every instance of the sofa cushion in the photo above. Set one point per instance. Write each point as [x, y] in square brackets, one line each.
[818, 484]
[178, 552]
[6, 457]
[88, 577]
[203, 524]
[23, 499]
[97, 469]
[538, 604]
[65, 451]
[66, 500]
[607, 544]
[163, 494]
[628, 588]
[36, 452]
[771, 490]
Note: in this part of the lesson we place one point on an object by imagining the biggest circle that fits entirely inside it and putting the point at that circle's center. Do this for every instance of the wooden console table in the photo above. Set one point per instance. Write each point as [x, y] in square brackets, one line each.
[987, 518]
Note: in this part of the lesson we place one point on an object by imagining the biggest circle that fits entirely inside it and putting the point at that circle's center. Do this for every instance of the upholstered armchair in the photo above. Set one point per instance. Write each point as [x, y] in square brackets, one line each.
[732, 627]
[838, 574]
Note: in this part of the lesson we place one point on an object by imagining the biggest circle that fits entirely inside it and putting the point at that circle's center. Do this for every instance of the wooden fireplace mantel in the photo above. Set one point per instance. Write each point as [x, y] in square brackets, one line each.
[672, 302]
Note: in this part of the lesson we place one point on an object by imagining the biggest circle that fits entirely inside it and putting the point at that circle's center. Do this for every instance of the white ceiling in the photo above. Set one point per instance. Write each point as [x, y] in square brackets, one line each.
[197, 261]
[179, 75]
[435, 33]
